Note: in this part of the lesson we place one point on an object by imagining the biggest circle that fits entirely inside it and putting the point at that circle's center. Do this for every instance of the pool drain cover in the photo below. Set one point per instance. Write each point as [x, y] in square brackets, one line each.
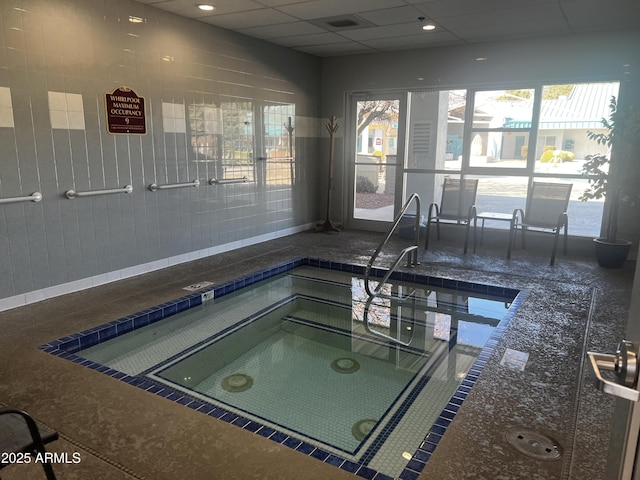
[345, 365]
[238, 382]
[533, 444]
[197, 286]
[363, 427]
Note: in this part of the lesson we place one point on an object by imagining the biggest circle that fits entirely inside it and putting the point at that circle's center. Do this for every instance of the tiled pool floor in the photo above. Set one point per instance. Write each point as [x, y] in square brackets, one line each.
[122, 432]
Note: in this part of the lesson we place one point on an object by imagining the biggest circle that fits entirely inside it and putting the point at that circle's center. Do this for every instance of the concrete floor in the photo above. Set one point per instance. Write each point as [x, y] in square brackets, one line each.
[122, 432]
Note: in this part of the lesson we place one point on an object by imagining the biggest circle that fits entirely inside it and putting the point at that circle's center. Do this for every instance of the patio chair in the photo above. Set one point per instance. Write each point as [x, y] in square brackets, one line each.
[457, 206]
[545, 211]
[20, 435]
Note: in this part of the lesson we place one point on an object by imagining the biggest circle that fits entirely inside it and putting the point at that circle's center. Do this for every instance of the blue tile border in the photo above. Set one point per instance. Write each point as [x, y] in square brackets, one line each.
[67, 347]
[428, 446]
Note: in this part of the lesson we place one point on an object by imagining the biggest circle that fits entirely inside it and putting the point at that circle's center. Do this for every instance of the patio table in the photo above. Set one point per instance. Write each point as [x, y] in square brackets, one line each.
[502, 217]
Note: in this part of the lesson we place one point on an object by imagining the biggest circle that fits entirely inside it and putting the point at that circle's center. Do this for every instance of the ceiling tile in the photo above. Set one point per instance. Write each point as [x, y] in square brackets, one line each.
[336, 49]
[453, 8]
[190, 9]
[505, 19]
[317, 39]
[251, 18]
[278, 3]
[391, 16]
[402, 30]
[484, 31]
[280, 29]
[389, 24]
[587, 15]
[413, 41]
[327, 8]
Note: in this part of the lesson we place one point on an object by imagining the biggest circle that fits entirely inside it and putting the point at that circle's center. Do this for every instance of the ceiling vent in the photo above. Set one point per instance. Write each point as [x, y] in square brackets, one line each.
[342, 22]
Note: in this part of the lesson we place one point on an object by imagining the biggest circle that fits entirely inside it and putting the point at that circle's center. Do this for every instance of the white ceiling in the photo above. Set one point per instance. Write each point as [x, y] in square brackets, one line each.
[387, 25]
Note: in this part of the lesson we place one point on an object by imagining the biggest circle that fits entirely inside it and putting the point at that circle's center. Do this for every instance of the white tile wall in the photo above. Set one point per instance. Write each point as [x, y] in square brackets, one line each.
[66, 111]
[173, 118]
[6, 108]
[53, 99]
[96, 280]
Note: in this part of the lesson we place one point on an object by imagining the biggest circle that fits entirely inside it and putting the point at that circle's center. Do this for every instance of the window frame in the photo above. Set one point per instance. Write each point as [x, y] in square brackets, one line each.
[527, 172]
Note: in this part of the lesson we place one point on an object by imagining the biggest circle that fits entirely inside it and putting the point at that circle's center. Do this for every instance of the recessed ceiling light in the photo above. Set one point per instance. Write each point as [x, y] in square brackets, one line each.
[481, 59]
[206, 7]
[426, 26]
[134, 19]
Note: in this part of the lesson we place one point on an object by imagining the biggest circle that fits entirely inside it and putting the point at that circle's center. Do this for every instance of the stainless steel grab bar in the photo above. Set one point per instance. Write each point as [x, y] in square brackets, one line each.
[413, 249]
[155, 187]
[34, 197]
[70, 194]
[226, 181]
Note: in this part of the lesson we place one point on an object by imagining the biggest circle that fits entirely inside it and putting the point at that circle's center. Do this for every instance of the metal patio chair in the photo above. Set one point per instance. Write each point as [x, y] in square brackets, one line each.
[545, 211]
[457, 206]
[21, 435]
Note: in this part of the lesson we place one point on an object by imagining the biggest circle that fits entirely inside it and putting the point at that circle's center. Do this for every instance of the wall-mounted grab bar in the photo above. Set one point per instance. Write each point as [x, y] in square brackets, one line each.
[226, 181]
[34, 197]
[73, 194]
[154, 187]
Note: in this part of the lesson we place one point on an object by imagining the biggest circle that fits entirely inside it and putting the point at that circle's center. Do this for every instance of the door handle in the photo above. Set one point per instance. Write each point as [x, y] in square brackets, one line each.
[625, 365]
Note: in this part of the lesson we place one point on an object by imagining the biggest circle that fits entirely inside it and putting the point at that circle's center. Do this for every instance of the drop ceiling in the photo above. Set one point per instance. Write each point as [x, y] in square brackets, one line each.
[313, 26]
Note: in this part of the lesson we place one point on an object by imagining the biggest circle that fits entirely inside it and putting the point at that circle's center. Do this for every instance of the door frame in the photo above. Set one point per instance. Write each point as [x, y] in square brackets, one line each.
[630, 462]
[623, 458]
[350, 154]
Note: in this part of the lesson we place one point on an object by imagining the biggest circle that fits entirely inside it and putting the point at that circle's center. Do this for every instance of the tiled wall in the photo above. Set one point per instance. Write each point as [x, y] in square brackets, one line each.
[58, 60]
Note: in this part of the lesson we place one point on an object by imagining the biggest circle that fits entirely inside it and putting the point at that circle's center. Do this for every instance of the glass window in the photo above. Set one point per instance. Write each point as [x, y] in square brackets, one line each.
[567, 113]
[504, 141]
[436, 129]
[279, 128]
[499, 149]
[375, 162]
[584, 217]
[500, 194]
[501, 125]
[503, 109]
[237, 146]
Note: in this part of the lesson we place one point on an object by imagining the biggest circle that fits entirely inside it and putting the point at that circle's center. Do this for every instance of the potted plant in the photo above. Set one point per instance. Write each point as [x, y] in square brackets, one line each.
[612, 183]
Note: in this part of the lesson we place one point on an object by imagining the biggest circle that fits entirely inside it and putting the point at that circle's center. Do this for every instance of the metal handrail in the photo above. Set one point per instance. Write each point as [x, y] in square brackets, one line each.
[155, 187]
[70, 194]
[34, 197]
[413, 249]
[227, 181]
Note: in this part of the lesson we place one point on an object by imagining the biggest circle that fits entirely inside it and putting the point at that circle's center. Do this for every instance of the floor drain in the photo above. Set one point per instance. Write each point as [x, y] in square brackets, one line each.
[363, 427]
[345, 365]
[238, 382]
[533, 444]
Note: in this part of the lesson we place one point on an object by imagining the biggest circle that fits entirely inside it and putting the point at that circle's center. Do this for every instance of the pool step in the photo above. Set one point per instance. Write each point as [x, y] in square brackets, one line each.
[354, 339]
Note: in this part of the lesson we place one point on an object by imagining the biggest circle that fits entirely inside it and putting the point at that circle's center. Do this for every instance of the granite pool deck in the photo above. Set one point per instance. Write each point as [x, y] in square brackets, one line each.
[122, 432]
